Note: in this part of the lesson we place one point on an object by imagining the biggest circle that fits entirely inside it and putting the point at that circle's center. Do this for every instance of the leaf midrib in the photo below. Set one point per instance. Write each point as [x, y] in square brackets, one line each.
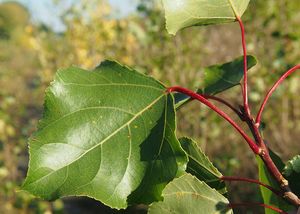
[203, 166]
[213, 17]
[191, 193]
[233, 8]
[104, 140]
[111, 84]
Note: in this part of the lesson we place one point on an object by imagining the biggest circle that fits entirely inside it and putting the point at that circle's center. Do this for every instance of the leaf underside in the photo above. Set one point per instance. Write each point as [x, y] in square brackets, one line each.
[181, 14]
[200, 166]
[103, 134]
[187, 194]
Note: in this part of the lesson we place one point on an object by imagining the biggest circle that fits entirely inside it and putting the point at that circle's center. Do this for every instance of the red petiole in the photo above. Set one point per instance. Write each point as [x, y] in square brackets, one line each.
[220, 100]
[248, 180]
[203, 100]
[245, 85]
[254, 125]
[225, 103]
[283, 77]
[235, 205]
[258, 146]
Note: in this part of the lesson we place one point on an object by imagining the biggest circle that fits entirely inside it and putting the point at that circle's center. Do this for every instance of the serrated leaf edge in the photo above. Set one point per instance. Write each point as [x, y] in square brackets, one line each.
[289, 168]
[205, 156]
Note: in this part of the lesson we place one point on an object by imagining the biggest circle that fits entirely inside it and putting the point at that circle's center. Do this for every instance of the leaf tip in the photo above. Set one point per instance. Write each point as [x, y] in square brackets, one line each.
[105, 63]
[252, 58]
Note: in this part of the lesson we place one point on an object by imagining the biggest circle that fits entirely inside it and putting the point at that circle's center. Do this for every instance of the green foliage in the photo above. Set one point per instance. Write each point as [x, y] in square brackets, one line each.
[218, 78]
[200, 166]
[186, 13]
[103, 138]
[292, 172]
[187, 194]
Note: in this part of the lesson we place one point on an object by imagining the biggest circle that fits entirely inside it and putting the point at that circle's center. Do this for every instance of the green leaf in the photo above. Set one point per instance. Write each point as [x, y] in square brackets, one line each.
[189, 195]
[265, 177]
[200, 166]
[101, 133]
[292, 174]
[218, 78]
[181, 14]
[180, 99]
[277, 160]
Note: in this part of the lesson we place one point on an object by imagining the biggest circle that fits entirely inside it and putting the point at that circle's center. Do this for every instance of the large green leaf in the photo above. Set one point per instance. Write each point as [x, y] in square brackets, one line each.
[218, 78]
[101, 133]
[292, 173]
[189, 195]
[186, 13]
[200, 166]
[265, 177]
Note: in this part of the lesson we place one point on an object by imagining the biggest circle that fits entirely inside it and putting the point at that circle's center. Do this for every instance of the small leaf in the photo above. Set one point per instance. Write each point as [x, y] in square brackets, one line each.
[265, 177]
[292, 174]
[218, 78]
[181, 14]
[189, 195]
[277, 160]
[200, 166]
[180, 99]
[101, 133]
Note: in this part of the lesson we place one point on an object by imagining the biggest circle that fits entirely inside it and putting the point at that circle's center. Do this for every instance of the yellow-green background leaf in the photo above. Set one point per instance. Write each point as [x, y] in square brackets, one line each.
[186, 13]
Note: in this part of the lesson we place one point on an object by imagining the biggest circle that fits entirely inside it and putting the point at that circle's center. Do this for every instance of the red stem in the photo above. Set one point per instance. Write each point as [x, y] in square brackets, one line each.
[220, 100]
[283, 77]
[245, 204]
[203, 100]
[245, 86]
[232, 178]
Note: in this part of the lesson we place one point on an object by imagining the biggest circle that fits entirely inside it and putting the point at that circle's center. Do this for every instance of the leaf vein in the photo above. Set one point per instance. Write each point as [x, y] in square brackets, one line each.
[107, 138]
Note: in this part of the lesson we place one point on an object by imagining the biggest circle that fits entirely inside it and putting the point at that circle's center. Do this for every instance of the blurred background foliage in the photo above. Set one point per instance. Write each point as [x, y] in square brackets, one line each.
[31, 52]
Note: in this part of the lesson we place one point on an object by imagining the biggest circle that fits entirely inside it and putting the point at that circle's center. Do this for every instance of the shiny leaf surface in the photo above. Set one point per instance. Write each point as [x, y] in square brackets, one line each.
[101, 133]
